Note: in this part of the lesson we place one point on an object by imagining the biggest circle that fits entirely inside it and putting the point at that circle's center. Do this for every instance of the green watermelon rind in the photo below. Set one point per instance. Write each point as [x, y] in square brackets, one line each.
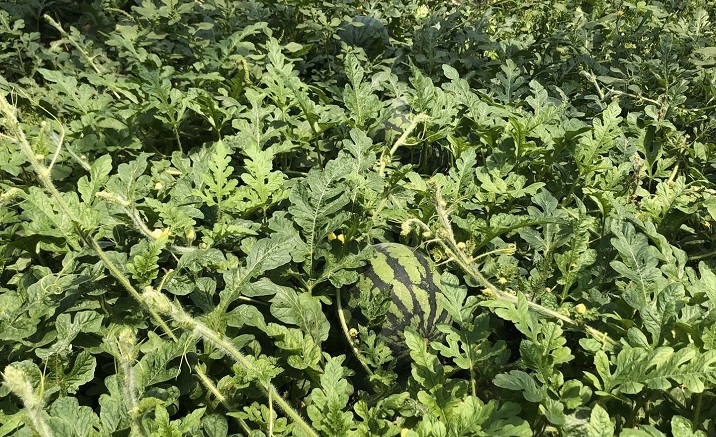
[412, 285]
[365, 32]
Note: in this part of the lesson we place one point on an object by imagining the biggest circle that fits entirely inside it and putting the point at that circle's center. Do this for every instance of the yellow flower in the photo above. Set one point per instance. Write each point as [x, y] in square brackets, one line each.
[340, 237]
[405, 228]
[159, 233]
[422, 12]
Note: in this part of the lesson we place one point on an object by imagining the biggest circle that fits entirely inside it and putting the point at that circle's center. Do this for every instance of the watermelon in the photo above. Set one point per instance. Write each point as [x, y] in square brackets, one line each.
[394, 126]
[368, 33]
[397, 289]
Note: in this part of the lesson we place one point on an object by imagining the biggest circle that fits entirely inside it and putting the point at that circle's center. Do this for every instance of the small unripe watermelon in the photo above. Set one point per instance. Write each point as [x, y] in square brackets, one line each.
[406, 282]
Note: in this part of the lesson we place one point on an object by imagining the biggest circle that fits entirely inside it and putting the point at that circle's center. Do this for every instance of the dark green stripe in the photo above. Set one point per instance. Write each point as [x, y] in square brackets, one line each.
[419, 316]
[410, 281]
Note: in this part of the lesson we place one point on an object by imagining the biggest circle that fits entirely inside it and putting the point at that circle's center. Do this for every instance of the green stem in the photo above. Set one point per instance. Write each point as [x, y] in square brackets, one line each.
[176, 135]
[136, 218]
[204, 378]
[43, 174]
[126, 344]
[702, 256]
[449, 244]
[386, 157]
[18, 381]
[270, 425]
[177, 313]
[697, 410]
[82, 50]
[220, 397]
[347, 334]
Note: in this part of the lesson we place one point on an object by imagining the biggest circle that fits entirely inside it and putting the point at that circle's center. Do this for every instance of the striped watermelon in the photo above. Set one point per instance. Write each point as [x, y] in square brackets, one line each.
[408, 283]
[393, 127]
[366, 32]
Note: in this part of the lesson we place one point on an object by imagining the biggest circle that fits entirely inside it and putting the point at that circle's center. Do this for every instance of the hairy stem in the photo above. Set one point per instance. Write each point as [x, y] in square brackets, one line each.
[82, 50]
[19, 383]
[43, 174]
[386, 157]
[126, 344]
[176, 313]
[449, 244]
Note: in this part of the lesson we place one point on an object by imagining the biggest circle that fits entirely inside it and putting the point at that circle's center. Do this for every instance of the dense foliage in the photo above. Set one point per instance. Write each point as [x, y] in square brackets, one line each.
[185, 184]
